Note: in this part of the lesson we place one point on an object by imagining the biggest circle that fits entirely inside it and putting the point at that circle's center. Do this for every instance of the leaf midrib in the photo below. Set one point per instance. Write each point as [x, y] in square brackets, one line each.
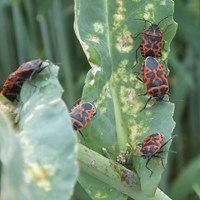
[120, 131]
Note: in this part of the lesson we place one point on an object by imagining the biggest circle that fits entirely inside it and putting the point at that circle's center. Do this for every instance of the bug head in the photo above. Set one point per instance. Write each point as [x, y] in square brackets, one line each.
[154, 27]
[159, 98]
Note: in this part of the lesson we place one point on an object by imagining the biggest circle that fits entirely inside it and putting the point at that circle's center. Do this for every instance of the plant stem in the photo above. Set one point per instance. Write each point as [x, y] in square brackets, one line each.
[114, 174]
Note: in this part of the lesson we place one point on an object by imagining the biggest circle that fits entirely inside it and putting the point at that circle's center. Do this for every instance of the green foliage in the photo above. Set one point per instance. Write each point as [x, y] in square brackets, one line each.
[111, 173]
[29, 30]
[46, 139]
[108, 40]
[37, 29]
[11, 162]
[181, 187]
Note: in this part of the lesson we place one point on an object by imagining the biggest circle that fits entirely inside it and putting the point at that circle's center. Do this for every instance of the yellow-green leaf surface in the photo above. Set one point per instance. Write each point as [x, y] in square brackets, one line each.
[47, 139]
[106, 31]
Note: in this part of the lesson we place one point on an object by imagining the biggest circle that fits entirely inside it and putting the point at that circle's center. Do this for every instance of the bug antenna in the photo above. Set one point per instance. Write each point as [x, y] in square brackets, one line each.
[173, 101]
[94, 101]
[145, 20]
[77, 101]
[82, 137]
[171, 138]
[164, 19]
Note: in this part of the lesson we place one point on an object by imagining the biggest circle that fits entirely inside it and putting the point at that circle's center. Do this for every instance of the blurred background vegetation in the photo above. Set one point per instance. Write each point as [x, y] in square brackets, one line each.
[32, 29]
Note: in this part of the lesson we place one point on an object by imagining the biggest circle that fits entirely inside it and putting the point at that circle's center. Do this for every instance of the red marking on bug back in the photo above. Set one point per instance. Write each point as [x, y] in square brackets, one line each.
[155, 79]
[81, 114]
[28, 69]
[151, 148]
[15, 80]
[152, 40]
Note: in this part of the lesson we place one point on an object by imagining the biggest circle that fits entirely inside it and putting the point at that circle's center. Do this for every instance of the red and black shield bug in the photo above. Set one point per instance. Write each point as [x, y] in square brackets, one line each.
[12, 87]
[154, 79]
[151, 148]
[81, 114]
[28, 69]
[14, 82]
[152, 40]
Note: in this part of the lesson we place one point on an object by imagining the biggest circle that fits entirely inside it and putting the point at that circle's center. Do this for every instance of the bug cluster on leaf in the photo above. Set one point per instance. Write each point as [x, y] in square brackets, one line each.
[155, 82]
[154, 77]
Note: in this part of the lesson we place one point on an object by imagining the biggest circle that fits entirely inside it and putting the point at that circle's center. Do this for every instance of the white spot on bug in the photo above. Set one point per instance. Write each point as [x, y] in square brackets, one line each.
[124, 43]
[98, 27]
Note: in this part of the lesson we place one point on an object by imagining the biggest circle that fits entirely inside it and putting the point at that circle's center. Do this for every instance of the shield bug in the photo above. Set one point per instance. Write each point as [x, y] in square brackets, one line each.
[81, 114]
[12, 87]
[152, 40]
[151, 147]
[15, 80]
[154, 79]
[28, 69]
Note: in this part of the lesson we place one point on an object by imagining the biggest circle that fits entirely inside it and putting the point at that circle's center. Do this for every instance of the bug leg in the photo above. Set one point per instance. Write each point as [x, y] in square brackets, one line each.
[161, 159]
[167, 27]
[82, 135]
[146, 165]
[168, 141]
[76, 128]
[142, 94]
[137, 76]
[146, 104]
[169, 151]
[77, 101]
[136, 57]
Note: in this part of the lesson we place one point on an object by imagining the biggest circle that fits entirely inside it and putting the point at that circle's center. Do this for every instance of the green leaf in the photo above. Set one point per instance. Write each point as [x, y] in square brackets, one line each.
[47, 138]
[196, 188]
[11, 162]
[186, 181]
[106, 32]
[111, 173]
